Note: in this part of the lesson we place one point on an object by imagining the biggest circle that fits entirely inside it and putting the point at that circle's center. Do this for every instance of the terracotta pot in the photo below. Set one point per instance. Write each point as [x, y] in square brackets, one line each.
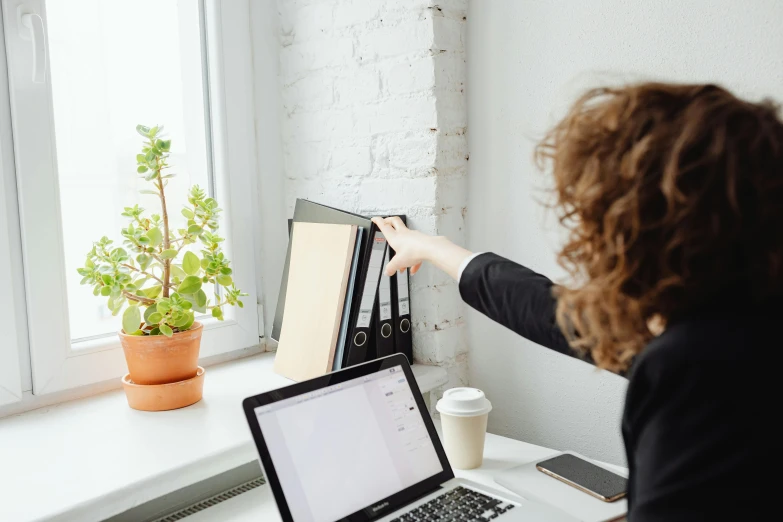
[159, 359]
[161, 397]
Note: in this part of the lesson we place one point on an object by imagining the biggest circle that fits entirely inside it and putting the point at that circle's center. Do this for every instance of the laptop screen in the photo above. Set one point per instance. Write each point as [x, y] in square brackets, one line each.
[342, 448]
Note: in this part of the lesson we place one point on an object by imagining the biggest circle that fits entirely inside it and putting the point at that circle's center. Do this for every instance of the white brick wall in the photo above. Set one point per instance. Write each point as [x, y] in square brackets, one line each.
[373, 121]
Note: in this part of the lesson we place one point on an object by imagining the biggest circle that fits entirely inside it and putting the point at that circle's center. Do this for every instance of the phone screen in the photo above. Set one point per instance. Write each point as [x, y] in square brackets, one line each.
[604, 483]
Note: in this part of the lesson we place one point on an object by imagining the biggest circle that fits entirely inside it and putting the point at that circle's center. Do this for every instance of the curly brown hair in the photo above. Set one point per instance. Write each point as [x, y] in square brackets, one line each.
[673, 199]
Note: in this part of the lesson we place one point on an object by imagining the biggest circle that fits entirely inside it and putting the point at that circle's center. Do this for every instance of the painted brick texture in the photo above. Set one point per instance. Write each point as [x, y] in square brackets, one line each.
[373, 121]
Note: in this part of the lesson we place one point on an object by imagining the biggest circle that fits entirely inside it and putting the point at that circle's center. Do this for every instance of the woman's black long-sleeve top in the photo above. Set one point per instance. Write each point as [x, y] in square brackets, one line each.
[697, 417]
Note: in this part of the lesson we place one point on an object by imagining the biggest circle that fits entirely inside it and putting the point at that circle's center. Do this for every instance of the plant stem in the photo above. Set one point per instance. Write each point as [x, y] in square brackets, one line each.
[166, 241]
[203, 224]
[138, 298]
[142, 272]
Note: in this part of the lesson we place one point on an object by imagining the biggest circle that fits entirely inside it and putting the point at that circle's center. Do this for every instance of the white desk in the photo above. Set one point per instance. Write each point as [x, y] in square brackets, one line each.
[499, 453]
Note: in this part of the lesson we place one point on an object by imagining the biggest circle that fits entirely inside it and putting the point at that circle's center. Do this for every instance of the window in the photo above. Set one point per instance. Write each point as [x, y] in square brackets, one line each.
[81, 76]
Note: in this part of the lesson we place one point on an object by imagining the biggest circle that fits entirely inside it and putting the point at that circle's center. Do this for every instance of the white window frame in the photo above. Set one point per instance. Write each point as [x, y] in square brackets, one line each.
[13, 347]
[56, 363]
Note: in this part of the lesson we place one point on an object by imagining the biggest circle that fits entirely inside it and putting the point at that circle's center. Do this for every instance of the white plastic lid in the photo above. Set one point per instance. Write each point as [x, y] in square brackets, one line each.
[464, 402]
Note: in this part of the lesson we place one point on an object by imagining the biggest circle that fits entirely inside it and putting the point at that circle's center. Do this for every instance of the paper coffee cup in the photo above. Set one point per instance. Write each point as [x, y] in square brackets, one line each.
[463, 418]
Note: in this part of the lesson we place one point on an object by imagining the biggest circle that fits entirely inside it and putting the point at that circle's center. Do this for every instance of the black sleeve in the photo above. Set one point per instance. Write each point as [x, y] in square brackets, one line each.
[687, 427]
[515, 297]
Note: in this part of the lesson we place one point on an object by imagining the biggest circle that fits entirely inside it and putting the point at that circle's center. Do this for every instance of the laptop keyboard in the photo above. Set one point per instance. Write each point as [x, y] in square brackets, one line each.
[458, 505]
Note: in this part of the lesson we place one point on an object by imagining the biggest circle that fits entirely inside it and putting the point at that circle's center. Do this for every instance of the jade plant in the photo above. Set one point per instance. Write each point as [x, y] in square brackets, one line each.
[160, 284]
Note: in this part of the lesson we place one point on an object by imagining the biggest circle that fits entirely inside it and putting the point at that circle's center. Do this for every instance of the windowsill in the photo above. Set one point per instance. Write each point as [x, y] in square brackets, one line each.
[93, 458]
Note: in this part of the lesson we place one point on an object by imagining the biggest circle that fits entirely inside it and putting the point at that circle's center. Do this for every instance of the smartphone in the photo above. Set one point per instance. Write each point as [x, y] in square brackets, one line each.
[585, 476]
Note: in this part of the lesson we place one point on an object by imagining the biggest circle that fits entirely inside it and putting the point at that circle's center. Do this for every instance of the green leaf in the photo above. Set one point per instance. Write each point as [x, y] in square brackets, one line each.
[153, 131]
[149, 311]
[195, 307]
[141, 169]
[195, 229]
[226, 270]
[224, 280]
[143, 240]
[166, 330]
[140, 158]
[182, 320]
[105, 290]
[217, 313]
[131, 319]
[168, 254]
[187, 325]
[144, 131]
[149, 156]
[154, 318]
[155, 331]
[117, 309]
[177, 272]
[191, 263]
[201, 298]
[144, 261]
[164, 307]
[155, 235]
[153, 292]
[187, 213]
[190, 285]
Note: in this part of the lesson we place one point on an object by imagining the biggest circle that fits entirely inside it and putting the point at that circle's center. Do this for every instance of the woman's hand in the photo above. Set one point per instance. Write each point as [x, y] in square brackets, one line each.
[412, 248]
[409, 245]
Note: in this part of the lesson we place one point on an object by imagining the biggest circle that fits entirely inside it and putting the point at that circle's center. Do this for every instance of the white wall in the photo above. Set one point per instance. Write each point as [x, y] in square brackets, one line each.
[526, 61]
[372, 119]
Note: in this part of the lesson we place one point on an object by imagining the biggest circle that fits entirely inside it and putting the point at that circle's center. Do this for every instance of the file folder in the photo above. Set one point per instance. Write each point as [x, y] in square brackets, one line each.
[319, 271]
[309, 212]
[401, 311]
[349, 297]
[384, 324]
[359, 342]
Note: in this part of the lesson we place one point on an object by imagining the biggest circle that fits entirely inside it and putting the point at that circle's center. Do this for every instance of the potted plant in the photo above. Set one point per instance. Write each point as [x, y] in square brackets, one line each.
[162, 285]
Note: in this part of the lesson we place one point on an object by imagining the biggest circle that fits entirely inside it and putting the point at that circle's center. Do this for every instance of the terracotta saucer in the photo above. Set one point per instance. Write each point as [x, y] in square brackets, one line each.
[161, 397]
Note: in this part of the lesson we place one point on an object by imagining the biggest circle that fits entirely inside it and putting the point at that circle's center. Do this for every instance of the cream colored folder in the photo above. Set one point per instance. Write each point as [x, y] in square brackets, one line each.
[321, 256]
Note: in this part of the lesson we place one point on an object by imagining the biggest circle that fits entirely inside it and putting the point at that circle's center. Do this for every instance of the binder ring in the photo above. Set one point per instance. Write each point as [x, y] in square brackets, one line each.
[386, 330]
[405, 325]
[360, 338]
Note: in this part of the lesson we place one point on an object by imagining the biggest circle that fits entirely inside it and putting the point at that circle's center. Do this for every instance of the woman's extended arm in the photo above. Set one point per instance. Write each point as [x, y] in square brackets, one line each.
[504, 291]
[412, 247]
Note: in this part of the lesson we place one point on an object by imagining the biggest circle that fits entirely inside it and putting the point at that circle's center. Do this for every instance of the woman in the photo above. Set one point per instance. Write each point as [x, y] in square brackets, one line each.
[673, 197]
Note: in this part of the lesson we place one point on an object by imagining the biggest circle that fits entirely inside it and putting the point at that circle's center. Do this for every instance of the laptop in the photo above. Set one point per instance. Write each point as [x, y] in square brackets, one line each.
[359, 445]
